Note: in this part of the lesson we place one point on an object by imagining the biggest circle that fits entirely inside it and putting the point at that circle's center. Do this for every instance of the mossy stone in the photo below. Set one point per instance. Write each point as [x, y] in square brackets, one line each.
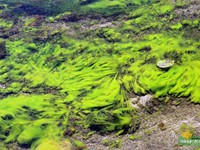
[49, 144]
[29, 135]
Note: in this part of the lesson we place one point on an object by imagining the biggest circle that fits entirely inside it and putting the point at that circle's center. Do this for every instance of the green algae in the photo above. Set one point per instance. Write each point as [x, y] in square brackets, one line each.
[176, 26]
[88, 78]
[27, 122]
[182, 3]
[79, 144]
[51, 144]
[82, 84]
[114, 7]
[5, 24]
[85, 86]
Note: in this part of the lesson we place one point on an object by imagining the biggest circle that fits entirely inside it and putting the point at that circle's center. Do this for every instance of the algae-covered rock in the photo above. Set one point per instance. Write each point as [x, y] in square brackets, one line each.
[177, 26]
[49, 144]
[79, 145]
[166, 63]
[109, 35]
[29, 135]
[28, 119]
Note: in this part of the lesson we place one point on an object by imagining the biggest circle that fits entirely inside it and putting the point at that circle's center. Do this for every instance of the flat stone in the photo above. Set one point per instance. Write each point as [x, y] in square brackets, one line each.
[166, 63]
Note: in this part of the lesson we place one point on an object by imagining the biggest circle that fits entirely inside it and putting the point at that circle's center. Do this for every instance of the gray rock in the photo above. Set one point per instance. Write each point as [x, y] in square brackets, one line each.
[144, 100]
[2, 86]
[166, 63]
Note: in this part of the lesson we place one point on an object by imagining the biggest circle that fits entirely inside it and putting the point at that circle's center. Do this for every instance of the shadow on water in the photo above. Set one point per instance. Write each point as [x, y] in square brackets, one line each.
[39, 7]
[29, 10]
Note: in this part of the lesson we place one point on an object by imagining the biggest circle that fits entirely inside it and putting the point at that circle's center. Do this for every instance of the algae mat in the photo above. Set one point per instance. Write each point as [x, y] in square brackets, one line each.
[59, 76]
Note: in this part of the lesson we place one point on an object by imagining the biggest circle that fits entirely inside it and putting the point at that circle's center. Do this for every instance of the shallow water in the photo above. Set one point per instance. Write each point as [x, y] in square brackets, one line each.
[68, 67]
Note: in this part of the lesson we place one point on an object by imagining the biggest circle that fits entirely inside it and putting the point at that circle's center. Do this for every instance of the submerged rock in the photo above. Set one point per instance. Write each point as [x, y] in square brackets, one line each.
[2, 86]
[143, 102]
[166, 63]
[53, 144]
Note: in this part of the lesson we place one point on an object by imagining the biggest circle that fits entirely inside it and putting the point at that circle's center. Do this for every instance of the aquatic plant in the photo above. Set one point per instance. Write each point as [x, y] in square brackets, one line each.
[31, 117]
[5, 24]
[51, 81]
